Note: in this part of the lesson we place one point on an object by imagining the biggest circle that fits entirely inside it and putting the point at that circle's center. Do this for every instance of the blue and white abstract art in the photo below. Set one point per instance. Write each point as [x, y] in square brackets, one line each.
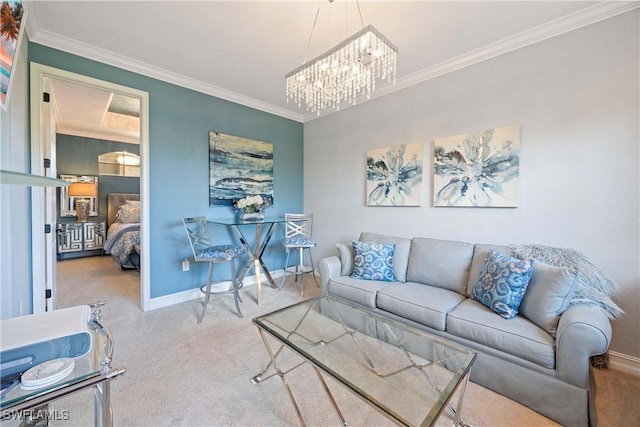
[478, 169]
[238, 167]
[394, 176]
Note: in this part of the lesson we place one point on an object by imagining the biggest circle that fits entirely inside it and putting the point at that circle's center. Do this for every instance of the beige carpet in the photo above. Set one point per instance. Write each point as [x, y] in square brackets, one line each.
[184, 374]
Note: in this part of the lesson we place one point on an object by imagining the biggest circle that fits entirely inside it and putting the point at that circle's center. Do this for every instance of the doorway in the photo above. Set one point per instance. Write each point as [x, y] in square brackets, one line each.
[43, 142]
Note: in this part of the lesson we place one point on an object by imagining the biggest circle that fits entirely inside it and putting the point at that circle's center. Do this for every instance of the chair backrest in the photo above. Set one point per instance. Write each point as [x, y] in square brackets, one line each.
[298, 225]
[198, 234]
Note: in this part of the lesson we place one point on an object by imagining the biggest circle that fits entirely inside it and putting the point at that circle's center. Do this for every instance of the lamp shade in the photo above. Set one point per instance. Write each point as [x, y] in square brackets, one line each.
[82, 189]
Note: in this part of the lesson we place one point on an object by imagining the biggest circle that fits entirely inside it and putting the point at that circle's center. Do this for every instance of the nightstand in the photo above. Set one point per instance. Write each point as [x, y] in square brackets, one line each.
[80, 238]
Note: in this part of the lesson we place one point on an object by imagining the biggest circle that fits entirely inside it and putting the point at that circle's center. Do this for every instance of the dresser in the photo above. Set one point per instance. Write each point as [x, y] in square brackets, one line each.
[80, 238]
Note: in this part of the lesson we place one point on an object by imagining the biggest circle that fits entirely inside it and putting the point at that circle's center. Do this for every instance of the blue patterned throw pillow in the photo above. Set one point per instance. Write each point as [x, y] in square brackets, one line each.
[502, 283]
[373, 261]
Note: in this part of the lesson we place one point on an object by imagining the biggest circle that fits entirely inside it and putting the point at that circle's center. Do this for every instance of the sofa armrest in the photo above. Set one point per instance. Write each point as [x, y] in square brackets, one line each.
[328, 267]
[583, 331]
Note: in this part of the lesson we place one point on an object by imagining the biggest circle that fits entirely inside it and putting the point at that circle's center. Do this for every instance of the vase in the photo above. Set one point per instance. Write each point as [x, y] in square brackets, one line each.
[254, 216]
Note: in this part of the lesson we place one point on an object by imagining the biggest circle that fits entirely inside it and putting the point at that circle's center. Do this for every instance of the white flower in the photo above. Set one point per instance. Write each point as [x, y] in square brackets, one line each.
[251, 201]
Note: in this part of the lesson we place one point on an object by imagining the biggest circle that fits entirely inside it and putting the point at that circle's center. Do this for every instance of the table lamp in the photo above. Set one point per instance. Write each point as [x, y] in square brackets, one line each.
[82, 191]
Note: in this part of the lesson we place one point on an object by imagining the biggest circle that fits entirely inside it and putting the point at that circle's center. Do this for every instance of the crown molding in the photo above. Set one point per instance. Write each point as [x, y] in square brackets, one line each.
[565, 24]
[98, 135]
[573, 21]
[65, 44]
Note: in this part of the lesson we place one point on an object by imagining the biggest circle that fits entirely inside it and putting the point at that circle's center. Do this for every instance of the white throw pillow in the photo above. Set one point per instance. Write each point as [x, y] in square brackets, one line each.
[346, 258]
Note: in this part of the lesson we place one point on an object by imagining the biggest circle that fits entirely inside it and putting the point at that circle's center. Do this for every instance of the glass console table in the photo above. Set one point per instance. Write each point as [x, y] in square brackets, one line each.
[91, 370]
[255, 253]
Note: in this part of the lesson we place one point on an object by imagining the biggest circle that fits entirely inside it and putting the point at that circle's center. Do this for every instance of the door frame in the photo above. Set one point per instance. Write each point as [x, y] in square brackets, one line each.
[38, 75]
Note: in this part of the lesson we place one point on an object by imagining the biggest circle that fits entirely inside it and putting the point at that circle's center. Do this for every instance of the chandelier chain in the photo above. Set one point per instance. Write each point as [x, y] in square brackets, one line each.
[306, 51]
[360, 13]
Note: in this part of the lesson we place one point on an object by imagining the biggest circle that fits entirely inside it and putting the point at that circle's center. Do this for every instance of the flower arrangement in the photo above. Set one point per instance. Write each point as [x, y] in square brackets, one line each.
[252, 206]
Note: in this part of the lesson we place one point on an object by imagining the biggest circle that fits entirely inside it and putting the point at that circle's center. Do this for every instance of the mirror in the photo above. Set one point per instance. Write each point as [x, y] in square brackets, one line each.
[119, 163]
[68, 204]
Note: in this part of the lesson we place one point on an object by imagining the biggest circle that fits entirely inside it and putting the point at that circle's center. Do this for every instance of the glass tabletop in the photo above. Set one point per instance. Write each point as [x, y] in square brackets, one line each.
[404, 372]
[238, 221]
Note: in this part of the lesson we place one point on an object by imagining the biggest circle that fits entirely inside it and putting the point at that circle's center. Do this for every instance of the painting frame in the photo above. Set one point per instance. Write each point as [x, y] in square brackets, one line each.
[239, 167]
[478, 169]
[10, 44]
[394, 175]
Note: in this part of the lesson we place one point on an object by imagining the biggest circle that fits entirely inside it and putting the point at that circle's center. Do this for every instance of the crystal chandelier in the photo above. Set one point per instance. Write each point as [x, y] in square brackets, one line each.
[345, 72]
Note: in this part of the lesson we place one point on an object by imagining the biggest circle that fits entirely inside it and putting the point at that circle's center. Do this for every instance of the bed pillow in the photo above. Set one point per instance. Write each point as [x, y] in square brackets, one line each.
[548, 295]
[502, 283]
[346, 258]
[373, 261]
[128, 214]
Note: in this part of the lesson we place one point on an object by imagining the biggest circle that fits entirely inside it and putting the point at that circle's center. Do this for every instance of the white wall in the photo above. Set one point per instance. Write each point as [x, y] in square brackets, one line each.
[15, 228]
[576, 98]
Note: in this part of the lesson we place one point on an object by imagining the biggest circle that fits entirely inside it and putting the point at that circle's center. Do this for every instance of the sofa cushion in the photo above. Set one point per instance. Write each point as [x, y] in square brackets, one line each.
[400, 255]
[357, 290]
[518, 336]
[424, 304]
[502, 282]
[548, 295]
[479, 254]
[373, 261]
[346, 258]
[441, 263]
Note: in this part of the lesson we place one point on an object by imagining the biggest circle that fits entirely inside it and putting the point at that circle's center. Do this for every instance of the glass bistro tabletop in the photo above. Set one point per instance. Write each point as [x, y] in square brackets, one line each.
[407, 374]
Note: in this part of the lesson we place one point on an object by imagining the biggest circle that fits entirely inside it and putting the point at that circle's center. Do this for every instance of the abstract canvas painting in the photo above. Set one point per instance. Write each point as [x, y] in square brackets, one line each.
[394, 176]
[238, 167]
[11, 34]
[478, 169]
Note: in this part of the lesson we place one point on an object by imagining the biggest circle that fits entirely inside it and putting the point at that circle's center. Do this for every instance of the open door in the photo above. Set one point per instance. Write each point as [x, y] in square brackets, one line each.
[43, 200]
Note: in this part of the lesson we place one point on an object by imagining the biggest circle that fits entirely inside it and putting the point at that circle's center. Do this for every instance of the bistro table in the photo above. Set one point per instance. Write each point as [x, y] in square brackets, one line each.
[255, 253]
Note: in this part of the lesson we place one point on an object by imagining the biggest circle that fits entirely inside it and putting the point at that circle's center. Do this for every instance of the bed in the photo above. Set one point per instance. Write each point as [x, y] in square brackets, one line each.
[123, 234]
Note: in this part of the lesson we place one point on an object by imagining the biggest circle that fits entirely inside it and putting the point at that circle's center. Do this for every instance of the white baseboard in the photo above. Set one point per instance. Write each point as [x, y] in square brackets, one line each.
[191, 294]
[624, 363]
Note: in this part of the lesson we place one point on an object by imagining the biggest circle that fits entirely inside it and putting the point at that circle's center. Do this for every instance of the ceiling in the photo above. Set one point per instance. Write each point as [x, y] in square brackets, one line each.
[87, 111]
[241, 50]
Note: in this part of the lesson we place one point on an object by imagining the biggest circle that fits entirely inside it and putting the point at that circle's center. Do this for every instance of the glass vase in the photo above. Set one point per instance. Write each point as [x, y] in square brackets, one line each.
[251, 216]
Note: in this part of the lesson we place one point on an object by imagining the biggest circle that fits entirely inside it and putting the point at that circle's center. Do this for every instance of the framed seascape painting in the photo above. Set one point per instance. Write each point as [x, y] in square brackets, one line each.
[11, 34]
[238, 167]
[394, 176]
[478, 169]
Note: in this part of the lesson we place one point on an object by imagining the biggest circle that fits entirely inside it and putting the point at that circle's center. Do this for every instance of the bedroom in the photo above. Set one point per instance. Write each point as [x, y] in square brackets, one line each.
[97, 142]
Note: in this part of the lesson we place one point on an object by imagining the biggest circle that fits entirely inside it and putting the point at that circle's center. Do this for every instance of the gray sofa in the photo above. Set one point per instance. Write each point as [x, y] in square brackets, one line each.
[546, 368]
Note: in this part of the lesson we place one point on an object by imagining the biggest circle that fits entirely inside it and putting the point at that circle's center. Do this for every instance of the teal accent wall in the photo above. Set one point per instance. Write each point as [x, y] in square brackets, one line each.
[77, 155]
[179, 122]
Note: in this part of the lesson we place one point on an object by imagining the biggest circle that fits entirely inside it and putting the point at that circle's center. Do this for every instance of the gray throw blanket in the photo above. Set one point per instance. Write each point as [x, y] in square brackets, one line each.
[594, 286]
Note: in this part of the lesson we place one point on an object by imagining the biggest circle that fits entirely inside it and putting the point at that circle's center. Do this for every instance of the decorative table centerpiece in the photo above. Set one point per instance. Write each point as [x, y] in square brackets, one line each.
[252, 207]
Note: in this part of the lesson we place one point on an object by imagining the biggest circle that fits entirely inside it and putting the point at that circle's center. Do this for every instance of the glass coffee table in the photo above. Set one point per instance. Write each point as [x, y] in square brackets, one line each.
[405, 373]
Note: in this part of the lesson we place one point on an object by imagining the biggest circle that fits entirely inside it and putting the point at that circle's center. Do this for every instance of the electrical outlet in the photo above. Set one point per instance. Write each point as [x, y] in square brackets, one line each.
[185, 265]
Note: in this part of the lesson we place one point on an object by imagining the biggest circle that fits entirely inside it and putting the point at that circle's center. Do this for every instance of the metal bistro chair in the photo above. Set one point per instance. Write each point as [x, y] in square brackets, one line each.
[298, 237]
[204, 251]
